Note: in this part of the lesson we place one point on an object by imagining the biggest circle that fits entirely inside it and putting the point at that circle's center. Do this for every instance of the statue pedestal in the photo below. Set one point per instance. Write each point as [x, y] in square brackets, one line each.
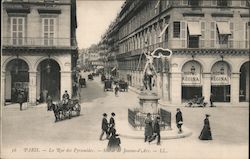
[148, 103]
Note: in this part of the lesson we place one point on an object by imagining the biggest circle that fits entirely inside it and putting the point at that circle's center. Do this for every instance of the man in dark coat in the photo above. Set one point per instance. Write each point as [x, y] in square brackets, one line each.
[211, 100]
[179, 120]
[104, 126]
[65, 98]
[111, 123]
[20, 98]
[157, 130]
[206, 131]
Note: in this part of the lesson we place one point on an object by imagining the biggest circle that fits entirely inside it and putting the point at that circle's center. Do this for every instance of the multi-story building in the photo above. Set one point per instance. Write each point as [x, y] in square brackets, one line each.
[209, 41]
[39, 49]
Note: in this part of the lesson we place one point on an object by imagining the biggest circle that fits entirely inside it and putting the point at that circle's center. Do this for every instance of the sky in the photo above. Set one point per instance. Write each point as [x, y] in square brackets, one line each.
[93, 19]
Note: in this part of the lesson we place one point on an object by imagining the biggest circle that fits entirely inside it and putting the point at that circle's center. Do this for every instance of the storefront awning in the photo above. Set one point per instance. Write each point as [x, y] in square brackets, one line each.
[223, 28]
[194, 28]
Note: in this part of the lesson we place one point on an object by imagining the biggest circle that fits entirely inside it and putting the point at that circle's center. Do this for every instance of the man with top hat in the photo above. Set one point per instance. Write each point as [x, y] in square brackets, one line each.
[111, 123]
[104, 126]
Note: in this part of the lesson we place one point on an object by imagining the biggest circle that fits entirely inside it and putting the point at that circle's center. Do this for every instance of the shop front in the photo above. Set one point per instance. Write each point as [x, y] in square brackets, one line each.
[191, 81]
[221, 82]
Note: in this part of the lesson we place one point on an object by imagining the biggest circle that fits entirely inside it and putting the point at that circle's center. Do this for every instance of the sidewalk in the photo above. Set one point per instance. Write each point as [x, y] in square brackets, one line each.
[167, 103]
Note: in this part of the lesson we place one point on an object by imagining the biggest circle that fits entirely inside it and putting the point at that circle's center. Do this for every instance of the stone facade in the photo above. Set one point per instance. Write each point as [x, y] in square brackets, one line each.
[39, 34]
[204, 33]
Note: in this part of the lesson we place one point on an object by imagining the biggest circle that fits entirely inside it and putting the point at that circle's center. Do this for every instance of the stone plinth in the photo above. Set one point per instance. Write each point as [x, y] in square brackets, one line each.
[148, 102]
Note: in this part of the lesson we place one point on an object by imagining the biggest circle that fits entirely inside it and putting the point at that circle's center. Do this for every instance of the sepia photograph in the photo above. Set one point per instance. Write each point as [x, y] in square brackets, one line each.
[125, 79]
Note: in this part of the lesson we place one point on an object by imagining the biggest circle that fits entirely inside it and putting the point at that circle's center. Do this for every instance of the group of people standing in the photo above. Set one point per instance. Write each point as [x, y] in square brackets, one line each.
[108, 128]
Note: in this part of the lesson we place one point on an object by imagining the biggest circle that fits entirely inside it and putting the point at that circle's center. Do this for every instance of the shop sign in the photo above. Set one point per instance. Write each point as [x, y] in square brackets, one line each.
[220, 79]
[191, 78]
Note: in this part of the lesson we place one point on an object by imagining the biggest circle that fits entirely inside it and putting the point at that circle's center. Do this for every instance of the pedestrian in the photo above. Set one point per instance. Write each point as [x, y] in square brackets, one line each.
[116, 90]
[179, 120]
[114, 142]
[212, 100]
[157, 130]
[206, 131]
[20, 98]
[148, 128]
[49, 103]
[111, 124]
[104, 126]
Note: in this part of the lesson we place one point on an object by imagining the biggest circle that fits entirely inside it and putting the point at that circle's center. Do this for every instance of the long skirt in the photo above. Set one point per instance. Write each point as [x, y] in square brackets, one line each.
[205, 134]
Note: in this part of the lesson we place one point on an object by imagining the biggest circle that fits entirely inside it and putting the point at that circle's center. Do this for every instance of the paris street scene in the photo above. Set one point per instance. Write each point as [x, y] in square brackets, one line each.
[110, 79]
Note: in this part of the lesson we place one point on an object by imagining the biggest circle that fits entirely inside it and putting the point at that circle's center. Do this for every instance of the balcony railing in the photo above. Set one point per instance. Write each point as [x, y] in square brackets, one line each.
[38, 42]
[201, 44]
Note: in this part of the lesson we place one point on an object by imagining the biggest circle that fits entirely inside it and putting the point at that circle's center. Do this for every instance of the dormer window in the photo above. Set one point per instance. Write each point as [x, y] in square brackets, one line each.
[194, 2]
[222, 3]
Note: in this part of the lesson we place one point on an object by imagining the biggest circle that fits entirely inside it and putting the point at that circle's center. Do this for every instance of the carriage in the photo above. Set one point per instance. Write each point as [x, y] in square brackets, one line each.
[82, 82]
[66, 109]
[108, 85]
[90, 77]
[196, 102]
[123, 86]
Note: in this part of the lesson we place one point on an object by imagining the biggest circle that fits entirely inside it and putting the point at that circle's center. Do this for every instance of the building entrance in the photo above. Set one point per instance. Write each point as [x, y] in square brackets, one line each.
[49, 80]
[221, 93]
[17, 79]
[189, 93]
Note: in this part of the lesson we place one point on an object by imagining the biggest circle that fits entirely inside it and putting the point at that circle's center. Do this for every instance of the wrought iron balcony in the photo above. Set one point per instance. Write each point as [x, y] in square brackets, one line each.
[38, 42]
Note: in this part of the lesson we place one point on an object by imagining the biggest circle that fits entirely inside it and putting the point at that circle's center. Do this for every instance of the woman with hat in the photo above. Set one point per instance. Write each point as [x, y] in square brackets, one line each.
[148, 128]
[206, 131]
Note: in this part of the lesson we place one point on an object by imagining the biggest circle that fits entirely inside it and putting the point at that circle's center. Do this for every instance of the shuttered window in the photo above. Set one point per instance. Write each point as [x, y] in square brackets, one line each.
[212, 34]
[183, 34]
[203, 34]
[17, 30]
[48, 31]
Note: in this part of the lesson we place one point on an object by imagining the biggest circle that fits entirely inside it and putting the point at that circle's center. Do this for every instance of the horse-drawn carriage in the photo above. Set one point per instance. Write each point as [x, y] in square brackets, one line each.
[103, 78]
[65, 109]
[82, 82]
[108, 85]
[90, 77]
[123, 86]
[196, 102]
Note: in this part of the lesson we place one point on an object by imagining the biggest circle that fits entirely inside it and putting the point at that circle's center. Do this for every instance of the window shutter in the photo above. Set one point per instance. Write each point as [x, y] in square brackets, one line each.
[212, 34]
[183, 34]
[231, 37]
[229, 2]
[243, 3]
[201, 2]
[203, 32]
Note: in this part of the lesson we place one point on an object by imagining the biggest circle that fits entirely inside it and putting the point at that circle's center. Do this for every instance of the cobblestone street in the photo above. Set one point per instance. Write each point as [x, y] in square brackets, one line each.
[35, 128]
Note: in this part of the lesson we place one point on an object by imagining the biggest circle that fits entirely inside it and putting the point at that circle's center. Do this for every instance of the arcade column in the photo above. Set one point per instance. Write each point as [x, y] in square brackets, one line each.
[175, 88]
[66, 82]
[235, 81]
[165, 86]
[3, 89]
[206, 89]
[32, 87]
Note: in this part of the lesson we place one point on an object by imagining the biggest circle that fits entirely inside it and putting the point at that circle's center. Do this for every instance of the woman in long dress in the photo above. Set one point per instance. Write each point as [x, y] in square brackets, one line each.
[206, 131]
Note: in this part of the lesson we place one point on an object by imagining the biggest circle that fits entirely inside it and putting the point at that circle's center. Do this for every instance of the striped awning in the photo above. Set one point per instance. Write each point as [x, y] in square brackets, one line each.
[223, 28]
[194, 28]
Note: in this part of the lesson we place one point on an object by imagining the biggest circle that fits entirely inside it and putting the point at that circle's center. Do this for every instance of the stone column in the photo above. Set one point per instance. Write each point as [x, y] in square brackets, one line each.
[247, 86]
[32, 88]
[175, 93]
[66, 83]
[3, 88]
[235, 81]
[206, 88]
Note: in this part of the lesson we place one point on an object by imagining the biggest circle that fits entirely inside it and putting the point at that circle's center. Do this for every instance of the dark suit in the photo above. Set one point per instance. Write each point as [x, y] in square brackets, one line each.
[157, 130]
[104, 127]
[179, 119]
[111, 125]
